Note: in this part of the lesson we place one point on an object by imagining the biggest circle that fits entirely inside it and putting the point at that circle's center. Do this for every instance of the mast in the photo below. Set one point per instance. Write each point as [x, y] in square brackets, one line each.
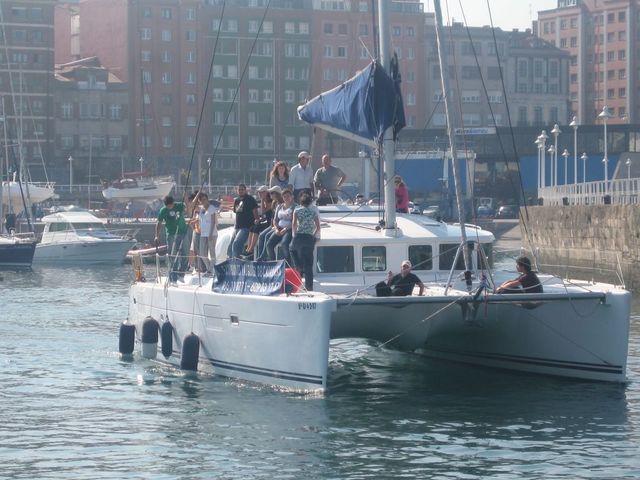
[452, 142]
[388, 145]
[6, 152]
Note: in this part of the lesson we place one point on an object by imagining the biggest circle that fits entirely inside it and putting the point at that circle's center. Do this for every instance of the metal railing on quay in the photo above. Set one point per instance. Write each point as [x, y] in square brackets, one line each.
[624, 191]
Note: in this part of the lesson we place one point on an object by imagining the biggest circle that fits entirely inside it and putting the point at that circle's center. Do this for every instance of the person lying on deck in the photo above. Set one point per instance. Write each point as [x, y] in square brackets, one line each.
[527, 282]
[400, 285]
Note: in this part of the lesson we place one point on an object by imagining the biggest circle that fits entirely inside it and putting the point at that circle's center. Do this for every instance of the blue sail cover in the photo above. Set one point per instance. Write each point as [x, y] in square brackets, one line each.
[362, 108]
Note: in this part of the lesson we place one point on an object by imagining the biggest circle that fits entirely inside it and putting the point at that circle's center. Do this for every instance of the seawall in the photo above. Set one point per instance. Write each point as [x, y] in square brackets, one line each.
[588, 242]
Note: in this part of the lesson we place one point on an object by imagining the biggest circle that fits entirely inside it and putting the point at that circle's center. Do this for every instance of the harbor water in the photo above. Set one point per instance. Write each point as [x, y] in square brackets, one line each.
[71, 408]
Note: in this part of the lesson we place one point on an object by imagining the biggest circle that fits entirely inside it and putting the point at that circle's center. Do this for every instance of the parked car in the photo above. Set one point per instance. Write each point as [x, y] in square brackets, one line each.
[508, 211]
[485, 211]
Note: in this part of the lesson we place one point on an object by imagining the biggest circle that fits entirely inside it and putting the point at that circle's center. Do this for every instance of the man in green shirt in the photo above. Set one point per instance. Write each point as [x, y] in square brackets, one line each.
[173, 217]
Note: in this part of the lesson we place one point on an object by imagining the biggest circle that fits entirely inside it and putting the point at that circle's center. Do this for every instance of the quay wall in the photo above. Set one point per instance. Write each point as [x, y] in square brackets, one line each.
[596, 242]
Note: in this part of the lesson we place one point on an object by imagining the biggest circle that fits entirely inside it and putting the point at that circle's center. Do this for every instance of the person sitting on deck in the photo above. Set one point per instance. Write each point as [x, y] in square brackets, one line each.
[527, 282]
[400, 285]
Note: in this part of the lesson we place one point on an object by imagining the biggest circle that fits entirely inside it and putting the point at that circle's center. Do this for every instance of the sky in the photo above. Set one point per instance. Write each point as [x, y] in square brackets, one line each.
[507, 14]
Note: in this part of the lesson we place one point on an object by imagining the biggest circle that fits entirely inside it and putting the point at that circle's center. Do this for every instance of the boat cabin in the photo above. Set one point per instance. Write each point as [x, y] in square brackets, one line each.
[354, 250]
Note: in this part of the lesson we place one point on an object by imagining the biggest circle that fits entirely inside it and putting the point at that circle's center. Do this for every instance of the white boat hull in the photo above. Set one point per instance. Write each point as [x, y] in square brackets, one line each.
[281, 341]
[12, 193]
[147, 193]
[584, 335]
[83, 252]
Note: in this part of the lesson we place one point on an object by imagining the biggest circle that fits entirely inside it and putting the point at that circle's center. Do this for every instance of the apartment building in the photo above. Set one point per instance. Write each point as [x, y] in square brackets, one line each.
[535, 76]
[255, 65]
[26, 73]
[91, 110]
[601, 38]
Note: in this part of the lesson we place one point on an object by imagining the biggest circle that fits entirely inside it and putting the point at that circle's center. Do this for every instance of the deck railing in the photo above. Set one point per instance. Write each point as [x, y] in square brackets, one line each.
[616, 192]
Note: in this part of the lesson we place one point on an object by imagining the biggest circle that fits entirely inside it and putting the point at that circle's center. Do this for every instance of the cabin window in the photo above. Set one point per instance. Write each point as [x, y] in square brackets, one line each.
[448, 254]
[421, 257]
[335, 259]
[59, 227]
[374, 259]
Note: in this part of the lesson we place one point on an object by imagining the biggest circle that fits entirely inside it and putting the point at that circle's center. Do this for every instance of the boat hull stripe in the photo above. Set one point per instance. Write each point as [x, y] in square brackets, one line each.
[547, 362]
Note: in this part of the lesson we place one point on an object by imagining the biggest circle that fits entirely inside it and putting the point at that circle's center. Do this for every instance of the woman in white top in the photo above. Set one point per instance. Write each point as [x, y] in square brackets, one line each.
[208, 218]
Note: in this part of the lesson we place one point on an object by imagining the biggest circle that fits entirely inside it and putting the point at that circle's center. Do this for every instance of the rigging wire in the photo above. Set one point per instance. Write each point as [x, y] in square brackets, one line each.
[512, 134]
[235, 94]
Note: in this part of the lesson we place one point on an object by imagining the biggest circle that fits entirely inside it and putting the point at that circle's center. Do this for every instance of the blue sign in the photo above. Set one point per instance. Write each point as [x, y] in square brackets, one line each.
[249, 278]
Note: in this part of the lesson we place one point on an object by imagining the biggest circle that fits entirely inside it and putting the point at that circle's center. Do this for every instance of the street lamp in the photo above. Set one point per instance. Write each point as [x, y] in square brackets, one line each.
[538, 143]
[628, 164]
[141, 160]
[556, 131]
[552, 154]
[584, 159]
[565, 154]
[209, 173]
[574, 125]
[543, 136]
[605, 115]
[70, 173]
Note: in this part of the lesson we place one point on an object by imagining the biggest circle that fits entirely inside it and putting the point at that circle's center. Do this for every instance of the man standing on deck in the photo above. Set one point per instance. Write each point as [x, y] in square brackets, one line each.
[172, 215]
[301, 176]
[327, 181]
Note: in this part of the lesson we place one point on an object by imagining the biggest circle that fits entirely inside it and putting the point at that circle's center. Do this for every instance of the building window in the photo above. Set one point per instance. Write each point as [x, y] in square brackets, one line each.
[166, 35]
[190, 99]
[66, 110]
[622, 92]
[191, 35]
[66, 142]
[342, 52]
[303, 28]
[166, 78]
[166, 13]
[622, 54]
[289, 27]
[115, 143]
[166, 121]
[363, 29]
[410, 31]
[167, 141]
[166, 99]
[145, 34]
[191, 121]
[116, 111]
[191, 78]
[396, 31]
[146, 76]
[166, 56]
[145, 56]
[342, 29]
[191, 14]
[328, 28]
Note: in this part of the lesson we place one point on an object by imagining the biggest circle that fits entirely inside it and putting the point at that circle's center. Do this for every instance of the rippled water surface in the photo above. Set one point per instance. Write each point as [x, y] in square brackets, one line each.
[71, 408]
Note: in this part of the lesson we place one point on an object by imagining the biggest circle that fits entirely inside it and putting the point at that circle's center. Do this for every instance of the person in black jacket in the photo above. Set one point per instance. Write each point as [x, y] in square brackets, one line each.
[400, 285]
[527, 282]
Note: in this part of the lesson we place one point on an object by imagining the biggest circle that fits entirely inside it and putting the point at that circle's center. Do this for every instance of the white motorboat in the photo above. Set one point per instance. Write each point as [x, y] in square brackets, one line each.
[573, 329]
[79, 237]
[138, 186]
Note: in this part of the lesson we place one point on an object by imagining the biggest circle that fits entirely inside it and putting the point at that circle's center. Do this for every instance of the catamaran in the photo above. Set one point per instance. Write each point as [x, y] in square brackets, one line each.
[243, 325]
